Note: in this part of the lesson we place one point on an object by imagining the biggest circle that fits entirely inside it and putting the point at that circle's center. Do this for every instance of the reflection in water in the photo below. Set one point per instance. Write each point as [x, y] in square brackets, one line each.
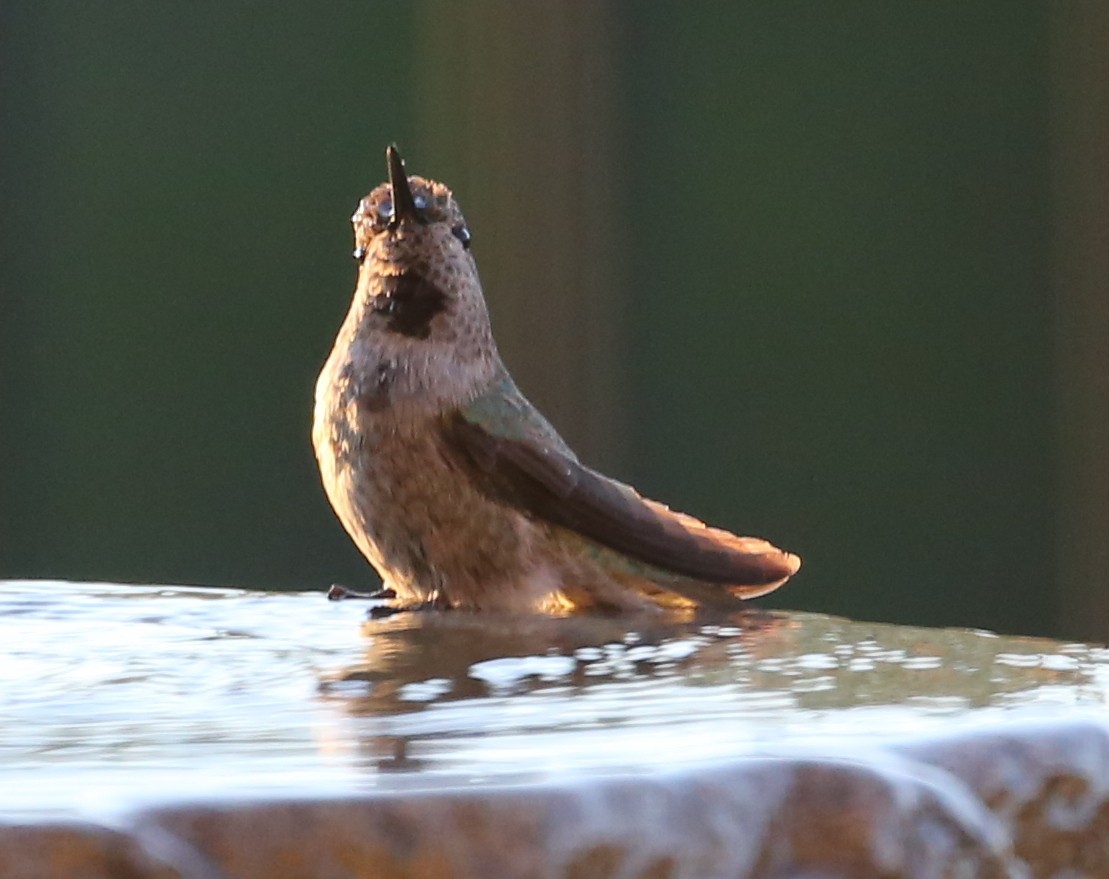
[822, 662]
[114, 691]
[490, 662]
[437, 656]
[439, 683]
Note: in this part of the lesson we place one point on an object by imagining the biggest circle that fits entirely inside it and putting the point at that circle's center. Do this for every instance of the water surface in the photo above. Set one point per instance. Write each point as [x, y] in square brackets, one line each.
[112, 695]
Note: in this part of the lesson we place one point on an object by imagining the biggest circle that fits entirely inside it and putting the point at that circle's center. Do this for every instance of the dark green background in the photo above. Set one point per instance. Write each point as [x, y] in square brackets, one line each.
[836, 316]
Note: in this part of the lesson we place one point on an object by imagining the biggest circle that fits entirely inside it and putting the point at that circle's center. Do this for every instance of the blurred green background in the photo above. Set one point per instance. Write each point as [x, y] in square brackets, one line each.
[825, 273]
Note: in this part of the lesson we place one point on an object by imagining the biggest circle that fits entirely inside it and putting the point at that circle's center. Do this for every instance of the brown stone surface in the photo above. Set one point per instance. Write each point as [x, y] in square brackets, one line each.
[1047, 783]
[76, 849]
[1006, 802]
[758, 818]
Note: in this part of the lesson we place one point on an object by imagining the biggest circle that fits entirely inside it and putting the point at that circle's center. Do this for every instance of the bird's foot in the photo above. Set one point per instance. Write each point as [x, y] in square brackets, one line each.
[388, 610]
[436, 600]
[341, 593]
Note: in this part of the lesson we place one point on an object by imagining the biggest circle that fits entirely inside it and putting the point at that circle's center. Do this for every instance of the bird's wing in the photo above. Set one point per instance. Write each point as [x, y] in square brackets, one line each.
[518, 456]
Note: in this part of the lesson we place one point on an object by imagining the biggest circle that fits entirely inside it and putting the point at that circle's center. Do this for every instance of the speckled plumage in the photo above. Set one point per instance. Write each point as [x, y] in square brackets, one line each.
[453, 486]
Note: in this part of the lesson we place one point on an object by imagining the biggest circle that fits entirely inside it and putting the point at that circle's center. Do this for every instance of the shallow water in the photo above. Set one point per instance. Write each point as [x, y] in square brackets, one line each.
[111, 696]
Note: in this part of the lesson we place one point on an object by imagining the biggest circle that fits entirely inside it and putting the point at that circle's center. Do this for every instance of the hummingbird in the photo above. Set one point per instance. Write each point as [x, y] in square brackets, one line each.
[453, 486]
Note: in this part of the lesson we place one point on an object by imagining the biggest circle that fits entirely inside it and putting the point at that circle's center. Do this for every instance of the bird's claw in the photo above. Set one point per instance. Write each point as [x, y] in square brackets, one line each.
[387, 610]
[341, 593]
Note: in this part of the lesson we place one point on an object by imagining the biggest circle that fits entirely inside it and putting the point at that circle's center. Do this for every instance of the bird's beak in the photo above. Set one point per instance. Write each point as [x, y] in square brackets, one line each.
[404, 205]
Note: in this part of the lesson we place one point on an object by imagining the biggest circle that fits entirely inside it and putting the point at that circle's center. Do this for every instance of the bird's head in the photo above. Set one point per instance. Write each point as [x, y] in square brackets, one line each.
[420, 295]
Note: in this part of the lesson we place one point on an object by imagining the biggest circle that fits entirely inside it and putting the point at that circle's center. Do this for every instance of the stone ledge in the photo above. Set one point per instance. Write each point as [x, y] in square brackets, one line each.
[1004, 802]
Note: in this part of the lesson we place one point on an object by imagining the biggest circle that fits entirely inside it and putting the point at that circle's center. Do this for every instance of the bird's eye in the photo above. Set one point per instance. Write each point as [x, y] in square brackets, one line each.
[462, 234]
